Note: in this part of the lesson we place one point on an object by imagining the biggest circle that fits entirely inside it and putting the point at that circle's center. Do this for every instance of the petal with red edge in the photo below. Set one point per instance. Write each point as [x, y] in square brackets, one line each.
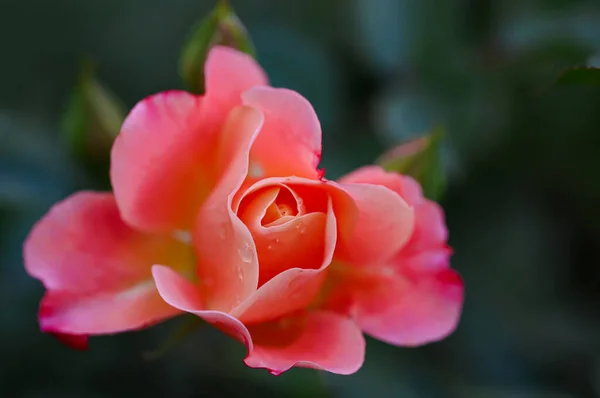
[77, 342]
[410, 311]
[385, 223]
[319, 340]
[289, 143]
[160, 161]
[96, 269]
[227, 263]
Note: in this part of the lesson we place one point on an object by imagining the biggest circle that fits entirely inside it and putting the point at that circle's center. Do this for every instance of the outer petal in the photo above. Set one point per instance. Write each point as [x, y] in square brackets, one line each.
[427, 248]
[289, 143]
[96, 269]
[319, 340]
[410, 312]
[385, 223]
[160, 161]
[405, 186]
[227, 261]
[229, 73]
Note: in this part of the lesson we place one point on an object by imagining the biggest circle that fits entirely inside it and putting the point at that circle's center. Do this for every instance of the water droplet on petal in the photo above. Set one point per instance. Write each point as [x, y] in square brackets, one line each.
[221, 232]
[245, 252]
[183, 236]
[240, 274]
[255, 171]
[269, 247]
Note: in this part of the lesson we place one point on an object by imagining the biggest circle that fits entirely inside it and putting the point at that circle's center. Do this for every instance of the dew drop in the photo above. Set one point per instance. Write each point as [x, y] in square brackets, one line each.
[183, 236]
[301, 228]
[221, 232]
[240, 274]
[269, 247]
[245, 252]
[255, 171]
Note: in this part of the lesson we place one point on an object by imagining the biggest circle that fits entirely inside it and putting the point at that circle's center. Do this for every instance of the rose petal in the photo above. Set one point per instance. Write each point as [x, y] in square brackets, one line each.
[77, 342]
[430, 228]
[385, 223]
[375, 175]
[320, 340]
[229, 73]
[410, 312]
[96, 269]
[162, 161]
[289, 143]
[296, 243]
[227, 261]
[427, 247]
[183, 295]
[405, 186]
[159, 161]
[292, 289]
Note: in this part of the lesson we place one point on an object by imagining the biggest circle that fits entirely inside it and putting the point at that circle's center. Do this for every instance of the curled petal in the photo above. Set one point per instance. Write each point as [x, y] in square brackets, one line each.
[375, 175]
[385, 223]
[292, 289]
[96, 269]
[185, 296]
[227, 261]
[289, 143]
[427, 247]
[287, 242]
[319, 340]
[405, 186]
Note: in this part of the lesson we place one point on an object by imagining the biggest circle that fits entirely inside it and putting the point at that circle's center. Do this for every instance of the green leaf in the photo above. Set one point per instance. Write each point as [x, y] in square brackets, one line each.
[580, 75]
[221, 27]
[93, 117]
[420, 159]
[188, 326]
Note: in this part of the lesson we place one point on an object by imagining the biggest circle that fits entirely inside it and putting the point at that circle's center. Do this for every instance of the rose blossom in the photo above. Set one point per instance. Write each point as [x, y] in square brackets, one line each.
[218, 209]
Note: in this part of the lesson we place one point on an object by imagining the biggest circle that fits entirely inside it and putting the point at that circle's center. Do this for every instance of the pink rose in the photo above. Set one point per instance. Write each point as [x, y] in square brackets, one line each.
[219, 210]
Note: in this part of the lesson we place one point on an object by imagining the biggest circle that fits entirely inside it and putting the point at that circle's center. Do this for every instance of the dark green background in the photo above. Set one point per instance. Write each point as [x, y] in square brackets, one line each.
[522, 158]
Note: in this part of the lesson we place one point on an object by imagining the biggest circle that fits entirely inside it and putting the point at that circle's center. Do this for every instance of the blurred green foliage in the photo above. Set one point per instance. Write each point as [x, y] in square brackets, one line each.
[522, 158]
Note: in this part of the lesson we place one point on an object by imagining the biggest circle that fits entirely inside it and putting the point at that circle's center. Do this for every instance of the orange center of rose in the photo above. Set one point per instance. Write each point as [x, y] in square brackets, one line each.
[283, 208]
[288, 227]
